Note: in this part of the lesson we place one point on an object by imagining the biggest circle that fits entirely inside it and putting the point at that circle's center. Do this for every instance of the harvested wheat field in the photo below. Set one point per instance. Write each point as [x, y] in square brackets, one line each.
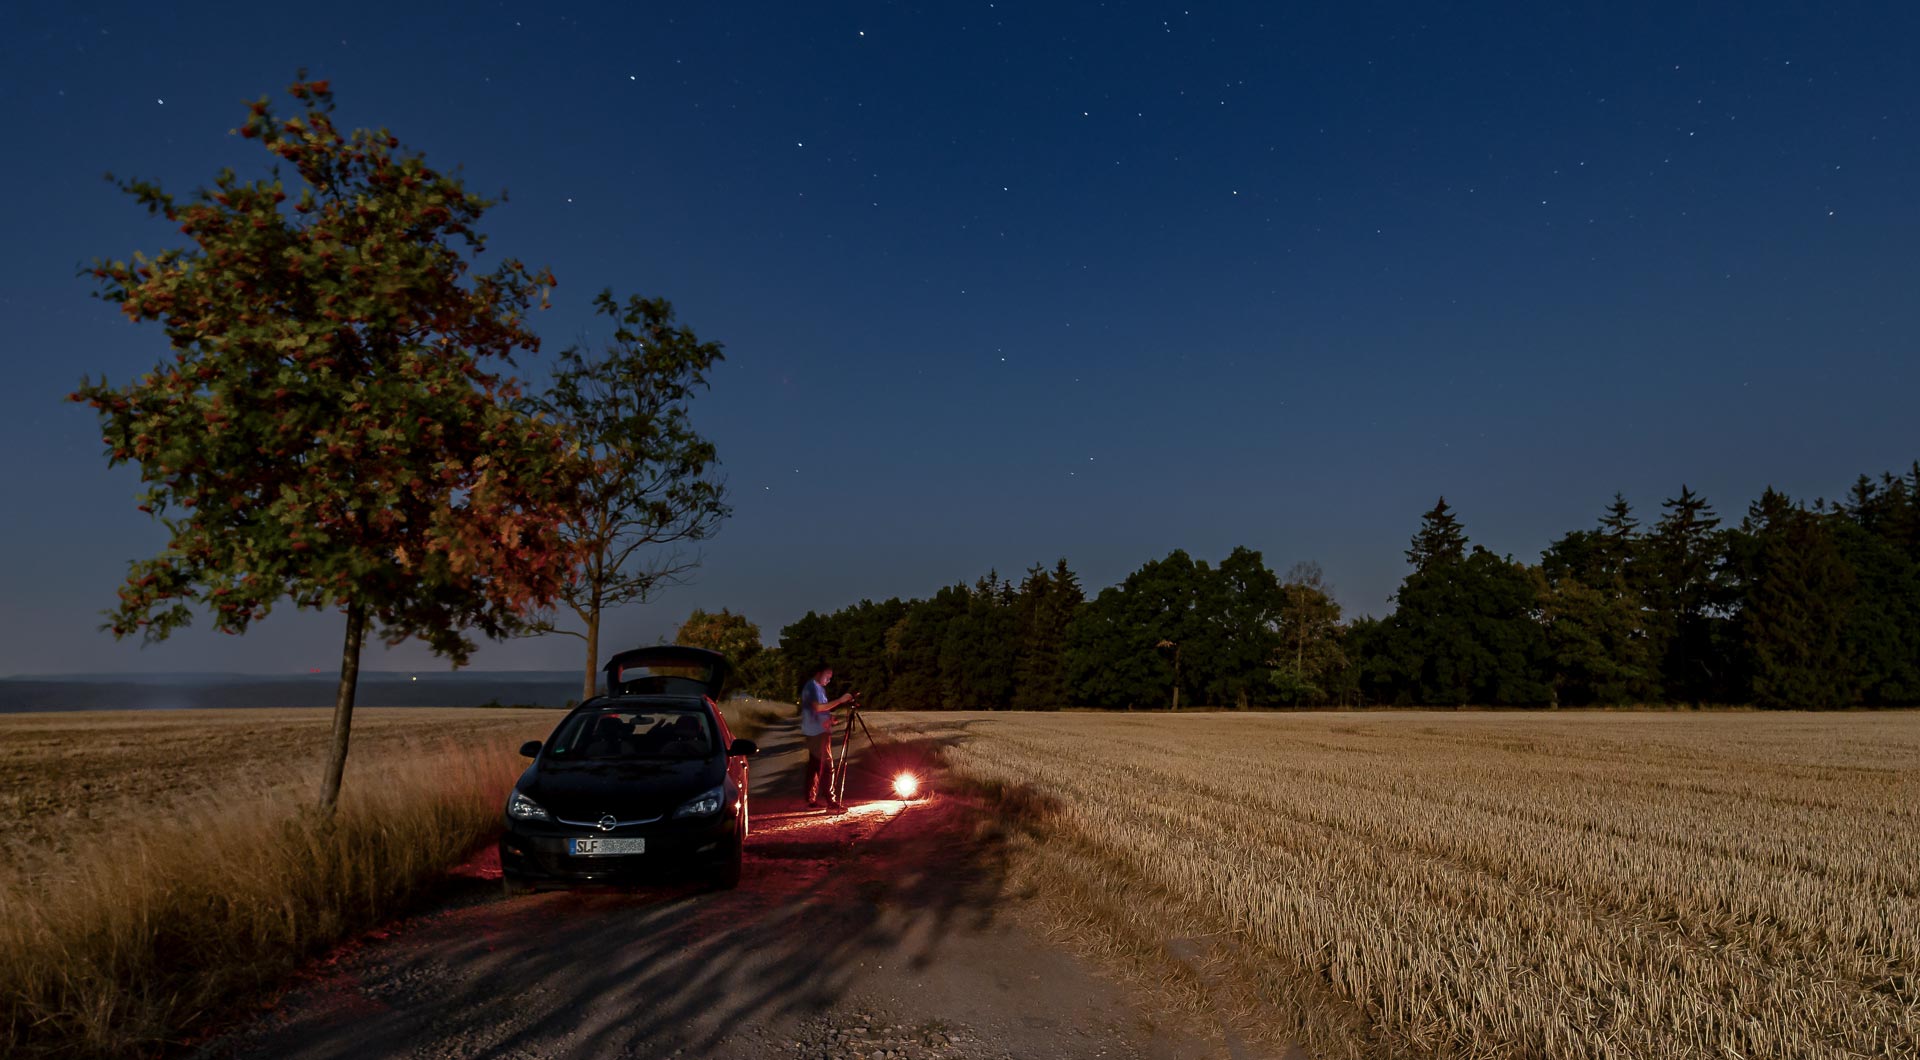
[65, 778]
[1475, 884]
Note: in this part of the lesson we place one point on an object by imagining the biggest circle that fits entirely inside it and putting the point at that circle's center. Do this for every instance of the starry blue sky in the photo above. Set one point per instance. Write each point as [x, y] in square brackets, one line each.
[1001, 283]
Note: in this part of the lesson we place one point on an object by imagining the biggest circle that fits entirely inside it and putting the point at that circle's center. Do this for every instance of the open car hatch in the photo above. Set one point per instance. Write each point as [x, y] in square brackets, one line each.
[667, 670]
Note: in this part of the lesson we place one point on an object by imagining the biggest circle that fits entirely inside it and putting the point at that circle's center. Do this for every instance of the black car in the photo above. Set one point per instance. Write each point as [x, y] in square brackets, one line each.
[643, 782]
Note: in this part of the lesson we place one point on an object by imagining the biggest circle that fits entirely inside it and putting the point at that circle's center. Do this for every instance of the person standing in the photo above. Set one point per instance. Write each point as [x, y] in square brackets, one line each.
[816, 724]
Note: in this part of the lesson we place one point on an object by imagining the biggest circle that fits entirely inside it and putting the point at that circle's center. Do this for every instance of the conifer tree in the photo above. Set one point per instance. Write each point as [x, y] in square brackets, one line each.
[1687, 596]
[1799, 596]
[1620, 532]
[1440, 538]
[1047, 603]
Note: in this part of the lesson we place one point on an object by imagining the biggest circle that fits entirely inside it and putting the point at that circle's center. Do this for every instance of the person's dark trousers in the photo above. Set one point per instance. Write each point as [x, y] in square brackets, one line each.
[819, 767]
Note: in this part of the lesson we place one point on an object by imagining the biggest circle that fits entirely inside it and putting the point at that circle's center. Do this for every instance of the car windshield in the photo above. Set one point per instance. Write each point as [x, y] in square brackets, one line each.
[614, 733]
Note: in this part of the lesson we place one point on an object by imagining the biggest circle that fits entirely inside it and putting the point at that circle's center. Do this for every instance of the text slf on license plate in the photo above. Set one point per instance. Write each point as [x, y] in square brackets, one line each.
[602, 847]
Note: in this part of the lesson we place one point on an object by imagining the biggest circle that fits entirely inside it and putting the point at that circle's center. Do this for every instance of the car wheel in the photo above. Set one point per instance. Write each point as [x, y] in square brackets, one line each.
[514, 886]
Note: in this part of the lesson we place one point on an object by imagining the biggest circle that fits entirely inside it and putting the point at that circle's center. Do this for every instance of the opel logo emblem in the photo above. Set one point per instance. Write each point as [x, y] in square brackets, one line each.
[607, 822]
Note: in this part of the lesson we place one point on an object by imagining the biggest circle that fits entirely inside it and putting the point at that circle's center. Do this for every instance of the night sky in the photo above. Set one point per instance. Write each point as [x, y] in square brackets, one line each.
[1001, 283]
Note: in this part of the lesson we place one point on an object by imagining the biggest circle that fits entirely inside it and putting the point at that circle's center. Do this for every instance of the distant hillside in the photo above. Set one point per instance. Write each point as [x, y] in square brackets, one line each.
[66, 692]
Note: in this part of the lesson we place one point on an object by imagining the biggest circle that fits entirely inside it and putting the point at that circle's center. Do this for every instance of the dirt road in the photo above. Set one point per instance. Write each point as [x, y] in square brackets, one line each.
[884, 931]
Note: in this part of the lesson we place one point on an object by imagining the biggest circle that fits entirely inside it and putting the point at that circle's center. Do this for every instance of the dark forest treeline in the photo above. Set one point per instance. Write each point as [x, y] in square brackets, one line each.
[1795, 605]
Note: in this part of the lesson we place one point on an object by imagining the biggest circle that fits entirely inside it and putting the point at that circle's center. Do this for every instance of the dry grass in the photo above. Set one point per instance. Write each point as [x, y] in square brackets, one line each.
[66, 777]
[1481, 885]
[748, 718]
[198, 874]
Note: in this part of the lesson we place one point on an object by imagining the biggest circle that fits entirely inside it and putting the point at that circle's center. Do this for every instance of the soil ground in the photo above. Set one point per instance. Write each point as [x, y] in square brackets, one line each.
[885, 931]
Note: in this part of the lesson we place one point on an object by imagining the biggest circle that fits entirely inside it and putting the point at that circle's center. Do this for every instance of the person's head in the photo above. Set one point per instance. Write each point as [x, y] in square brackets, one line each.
[822, 674]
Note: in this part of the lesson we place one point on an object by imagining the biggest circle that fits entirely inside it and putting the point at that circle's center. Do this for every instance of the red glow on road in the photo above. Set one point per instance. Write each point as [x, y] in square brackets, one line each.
[905, 785]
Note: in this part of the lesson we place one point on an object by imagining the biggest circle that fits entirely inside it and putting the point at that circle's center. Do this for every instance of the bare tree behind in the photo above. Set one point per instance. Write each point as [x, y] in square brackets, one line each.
[650, 490]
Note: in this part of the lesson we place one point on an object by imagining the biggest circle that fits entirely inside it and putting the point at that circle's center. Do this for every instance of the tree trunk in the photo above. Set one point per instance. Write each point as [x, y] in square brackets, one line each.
[343, 705]
[590, 683]
[1176, 677]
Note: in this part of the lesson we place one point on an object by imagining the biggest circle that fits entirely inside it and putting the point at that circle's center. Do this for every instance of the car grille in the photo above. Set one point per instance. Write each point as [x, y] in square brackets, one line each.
[595, 823]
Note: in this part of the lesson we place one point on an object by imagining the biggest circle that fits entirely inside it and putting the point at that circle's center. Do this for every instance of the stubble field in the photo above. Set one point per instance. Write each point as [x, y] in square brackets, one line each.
[68, 780]
[1374, 884]
[156, 868]
[1544, 885]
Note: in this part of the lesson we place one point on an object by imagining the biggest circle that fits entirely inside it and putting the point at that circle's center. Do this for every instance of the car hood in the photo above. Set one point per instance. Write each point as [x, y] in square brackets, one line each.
[630, 791]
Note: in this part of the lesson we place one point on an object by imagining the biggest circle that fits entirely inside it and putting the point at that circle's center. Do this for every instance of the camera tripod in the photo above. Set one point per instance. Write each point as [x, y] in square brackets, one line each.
[837, 786]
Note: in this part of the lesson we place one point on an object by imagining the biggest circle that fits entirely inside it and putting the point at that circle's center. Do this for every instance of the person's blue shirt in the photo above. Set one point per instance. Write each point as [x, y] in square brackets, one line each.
[815, 719]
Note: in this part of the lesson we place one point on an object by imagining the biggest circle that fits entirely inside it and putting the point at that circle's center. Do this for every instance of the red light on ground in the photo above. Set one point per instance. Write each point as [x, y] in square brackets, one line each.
[905, 785]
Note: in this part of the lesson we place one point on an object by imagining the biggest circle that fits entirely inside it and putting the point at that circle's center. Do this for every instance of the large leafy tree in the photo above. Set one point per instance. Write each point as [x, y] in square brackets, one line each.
[1240, 606]
[332, 428]
[734, 637]
[723, 631]
[650, 487]
[1308, 625]
[1128, 645]
[1465, 628]
[1596, 651]
[1595, 618]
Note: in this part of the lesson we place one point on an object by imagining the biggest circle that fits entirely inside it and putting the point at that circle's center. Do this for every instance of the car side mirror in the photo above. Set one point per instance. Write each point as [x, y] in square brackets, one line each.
[744, 747]
[530, 749]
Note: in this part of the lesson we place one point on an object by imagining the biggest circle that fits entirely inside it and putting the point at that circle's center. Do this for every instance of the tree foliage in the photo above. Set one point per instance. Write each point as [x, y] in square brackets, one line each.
[1803, 606]
[1440, 538]
[1308, 626]
[732, 636]
[1682, 568]
[1799, 596]
[1044, 608]
[648, 484]
[1126, 646]
[332, 427]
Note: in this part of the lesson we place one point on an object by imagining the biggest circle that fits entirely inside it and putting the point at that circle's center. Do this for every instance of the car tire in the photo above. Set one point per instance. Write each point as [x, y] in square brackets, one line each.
[514, 886]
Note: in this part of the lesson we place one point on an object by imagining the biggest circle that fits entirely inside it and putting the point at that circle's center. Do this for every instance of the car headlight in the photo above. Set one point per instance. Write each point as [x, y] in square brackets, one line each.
[521, 808]
[701, 805]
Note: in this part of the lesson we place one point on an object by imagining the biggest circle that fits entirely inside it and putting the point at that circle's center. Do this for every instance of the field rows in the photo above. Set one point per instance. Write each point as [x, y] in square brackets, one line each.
[1497, 885]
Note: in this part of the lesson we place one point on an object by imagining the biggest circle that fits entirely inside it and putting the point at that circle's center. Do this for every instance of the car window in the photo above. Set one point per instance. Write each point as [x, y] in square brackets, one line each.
[663, 678]
[618, 733]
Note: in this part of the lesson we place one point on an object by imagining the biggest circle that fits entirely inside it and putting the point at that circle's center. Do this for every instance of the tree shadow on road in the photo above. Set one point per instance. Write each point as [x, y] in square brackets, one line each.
[826, 897]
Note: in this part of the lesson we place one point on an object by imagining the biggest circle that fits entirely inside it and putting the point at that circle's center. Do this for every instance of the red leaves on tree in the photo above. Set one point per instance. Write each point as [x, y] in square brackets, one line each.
[328, 425]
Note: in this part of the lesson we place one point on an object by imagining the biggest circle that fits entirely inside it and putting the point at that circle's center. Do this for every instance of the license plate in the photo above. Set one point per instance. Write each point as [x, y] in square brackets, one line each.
[588, 848]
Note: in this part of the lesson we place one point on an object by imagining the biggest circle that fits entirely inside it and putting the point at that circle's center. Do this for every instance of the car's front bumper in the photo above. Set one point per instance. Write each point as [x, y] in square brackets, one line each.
[536, 851]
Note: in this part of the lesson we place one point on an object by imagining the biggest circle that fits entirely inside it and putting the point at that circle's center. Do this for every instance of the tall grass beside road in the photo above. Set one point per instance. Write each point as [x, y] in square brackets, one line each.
[1605, 886]
[145, 929]
[748, 718]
